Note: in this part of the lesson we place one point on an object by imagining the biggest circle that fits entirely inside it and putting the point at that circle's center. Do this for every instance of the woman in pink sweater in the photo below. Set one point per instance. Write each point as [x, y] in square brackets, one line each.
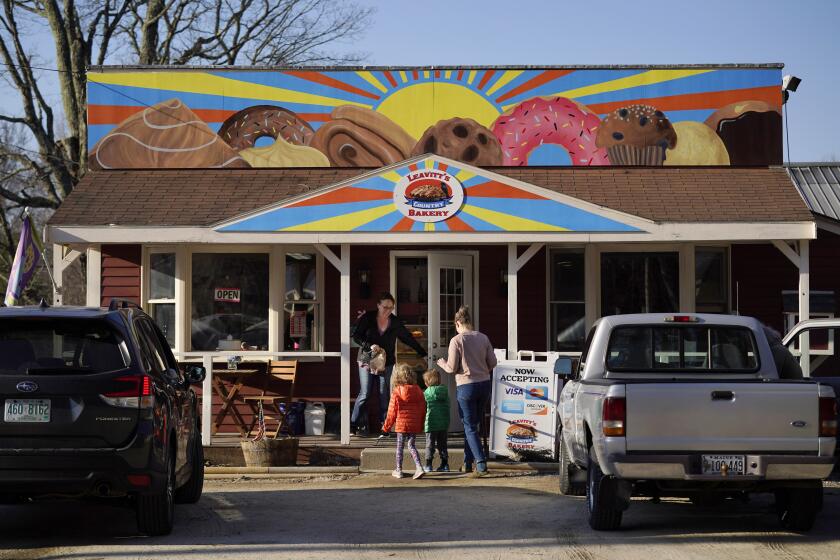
[472, 360]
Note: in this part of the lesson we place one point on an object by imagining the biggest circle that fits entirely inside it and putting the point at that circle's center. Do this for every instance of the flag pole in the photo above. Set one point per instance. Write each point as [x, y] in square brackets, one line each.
[40, 244]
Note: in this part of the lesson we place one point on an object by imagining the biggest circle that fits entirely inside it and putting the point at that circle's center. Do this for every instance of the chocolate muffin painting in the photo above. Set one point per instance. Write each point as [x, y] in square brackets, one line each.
[751, 131]
[167, 134]
[636, 135]
[462, 140]
[359, 137]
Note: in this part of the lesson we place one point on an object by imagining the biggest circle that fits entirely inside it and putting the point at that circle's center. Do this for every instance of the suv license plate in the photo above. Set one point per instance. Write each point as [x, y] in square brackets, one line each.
[714, 464]
[26, 410]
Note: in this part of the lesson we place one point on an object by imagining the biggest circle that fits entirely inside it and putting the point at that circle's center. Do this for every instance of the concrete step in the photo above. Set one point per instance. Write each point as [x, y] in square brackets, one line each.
[384, 459]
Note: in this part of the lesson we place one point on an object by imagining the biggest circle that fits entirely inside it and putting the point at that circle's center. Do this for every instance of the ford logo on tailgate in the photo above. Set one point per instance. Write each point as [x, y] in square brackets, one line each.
[27, 386]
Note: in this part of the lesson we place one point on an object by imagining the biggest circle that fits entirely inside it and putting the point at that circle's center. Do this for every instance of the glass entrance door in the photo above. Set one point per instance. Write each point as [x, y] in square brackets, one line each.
[430, 287]
[450, 287]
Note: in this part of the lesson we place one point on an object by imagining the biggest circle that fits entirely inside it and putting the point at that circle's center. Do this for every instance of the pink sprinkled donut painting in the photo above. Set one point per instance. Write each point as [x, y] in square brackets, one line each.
[555, 120]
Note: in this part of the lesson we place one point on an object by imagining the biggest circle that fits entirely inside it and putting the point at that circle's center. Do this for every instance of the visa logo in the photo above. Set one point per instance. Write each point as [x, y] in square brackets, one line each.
[514, 391]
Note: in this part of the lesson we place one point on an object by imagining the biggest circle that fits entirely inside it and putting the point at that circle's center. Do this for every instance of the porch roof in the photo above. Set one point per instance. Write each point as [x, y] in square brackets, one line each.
[204, 197]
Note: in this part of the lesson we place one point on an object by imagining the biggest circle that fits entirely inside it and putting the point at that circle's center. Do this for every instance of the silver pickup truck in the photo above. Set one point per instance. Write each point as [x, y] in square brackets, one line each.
[690, 405]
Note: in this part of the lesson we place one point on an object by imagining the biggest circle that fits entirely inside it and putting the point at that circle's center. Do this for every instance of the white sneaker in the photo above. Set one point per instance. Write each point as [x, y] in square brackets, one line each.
[397, 474]
[418, 473]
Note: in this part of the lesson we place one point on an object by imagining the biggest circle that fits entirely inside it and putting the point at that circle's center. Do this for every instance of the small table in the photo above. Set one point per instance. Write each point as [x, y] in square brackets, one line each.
[228, 397]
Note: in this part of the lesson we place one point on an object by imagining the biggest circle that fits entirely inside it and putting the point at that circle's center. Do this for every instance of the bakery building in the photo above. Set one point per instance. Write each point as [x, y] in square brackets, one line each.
[254, 211]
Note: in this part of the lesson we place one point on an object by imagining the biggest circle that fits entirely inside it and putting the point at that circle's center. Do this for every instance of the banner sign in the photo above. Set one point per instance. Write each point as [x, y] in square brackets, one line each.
[228, 295]
[524, 407]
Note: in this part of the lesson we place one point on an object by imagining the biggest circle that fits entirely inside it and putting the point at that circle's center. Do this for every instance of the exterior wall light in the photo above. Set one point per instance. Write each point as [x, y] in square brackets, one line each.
[364, 283]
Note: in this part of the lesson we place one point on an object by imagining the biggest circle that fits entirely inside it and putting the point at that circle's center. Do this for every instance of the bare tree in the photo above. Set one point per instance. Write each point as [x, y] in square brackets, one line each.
[254, 32]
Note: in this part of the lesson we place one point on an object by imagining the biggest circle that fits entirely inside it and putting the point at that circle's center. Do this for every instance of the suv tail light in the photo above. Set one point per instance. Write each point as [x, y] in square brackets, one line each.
[137, 392]
[615, 416]
[828, 417]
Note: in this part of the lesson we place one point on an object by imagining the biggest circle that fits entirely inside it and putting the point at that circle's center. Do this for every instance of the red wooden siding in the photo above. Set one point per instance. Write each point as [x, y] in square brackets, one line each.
[120, 273]
[760, 272]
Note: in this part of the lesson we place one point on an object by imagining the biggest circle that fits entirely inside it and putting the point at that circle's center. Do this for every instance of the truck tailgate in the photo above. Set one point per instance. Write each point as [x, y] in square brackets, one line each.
[722, 416]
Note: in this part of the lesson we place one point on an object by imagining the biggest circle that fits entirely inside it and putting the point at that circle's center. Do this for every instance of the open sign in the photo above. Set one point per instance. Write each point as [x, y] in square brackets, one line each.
[226, 294]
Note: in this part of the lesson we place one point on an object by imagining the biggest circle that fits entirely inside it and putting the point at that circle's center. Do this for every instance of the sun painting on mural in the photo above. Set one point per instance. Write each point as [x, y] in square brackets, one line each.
[484, 117]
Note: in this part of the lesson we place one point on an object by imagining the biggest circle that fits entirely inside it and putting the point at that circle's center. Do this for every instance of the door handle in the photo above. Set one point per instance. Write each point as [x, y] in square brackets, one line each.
[434, 344]
[723, 396]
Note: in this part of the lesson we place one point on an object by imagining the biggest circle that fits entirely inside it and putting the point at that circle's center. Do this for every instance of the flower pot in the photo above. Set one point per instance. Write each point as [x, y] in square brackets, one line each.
[270, 452]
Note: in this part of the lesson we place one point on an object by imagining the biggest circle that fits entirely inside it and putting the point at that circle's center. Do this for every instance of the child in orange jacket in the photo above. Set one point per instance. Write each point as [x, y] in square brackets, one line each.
[406, 414]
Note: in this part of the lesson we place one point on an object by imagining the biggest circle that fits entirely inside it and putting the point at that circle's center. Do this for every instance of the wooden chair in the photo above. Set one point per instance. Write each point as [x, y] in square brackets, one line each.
[284, 374]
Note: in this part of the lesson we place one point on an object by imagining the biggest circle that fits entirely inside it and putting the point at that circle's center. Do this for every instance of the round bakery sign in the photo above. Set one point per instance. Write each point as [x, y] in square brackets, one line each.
[430, 195]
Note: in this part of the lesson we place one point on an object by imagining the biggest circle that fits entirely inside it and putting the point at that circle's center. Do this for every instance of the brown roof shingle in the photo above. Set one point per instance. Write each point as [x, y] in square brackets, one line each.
[203, 197]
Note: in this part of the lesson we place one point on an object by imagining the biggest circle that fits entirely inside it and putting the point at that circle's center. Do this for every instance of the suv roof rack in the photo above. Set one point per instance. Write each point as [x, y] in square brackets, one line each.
[120, 303]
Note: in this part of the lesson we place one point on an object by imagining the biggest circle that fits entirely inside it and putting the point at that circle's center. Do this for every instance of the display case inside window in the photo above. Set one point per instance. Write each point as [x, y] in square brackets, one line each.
[229, 301]
[161, 300]
[639, 283]
[412, 307]
[301, 308]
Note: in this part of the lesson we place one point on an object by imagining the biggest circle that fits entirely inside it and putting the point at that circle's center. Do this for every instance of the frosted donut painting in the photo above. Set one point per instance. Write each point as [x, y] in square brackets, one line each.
[488, 117]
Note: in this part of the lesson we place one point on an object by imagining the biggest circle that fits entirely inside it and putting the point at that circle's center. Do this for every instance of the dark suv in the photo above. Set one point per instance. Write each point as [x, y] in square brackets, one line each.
[95, 405]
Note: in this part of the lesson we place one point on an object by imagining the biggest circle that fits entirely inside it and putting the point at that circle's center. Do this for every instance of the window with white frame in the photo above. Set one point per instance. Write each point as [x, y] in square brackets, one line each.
[301, 303]
[711, 280]
[161, 300]
[229, 303]
[567, 300]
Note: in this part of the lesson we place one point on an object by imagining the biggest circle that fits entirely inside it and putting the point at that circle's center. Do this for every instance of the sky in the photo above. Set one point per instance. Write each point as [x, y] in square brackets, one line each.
[801, 34]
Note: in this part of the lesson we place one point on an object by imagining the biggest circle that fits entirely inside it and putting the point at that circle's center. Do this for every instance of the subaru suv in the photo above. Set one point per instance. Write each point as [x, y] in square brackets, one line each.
[95, 405]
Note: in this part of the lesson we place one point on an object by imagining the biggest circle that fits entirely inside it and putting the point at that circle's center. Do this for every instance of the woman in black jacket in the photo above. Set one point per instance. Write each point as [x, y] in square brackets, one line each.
[379, 328]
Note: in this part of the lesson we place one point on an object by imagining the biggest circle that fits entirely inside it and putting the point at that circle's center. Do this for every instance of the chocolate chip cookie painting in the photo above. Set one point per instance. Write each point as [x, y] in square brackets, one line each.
[484, 117]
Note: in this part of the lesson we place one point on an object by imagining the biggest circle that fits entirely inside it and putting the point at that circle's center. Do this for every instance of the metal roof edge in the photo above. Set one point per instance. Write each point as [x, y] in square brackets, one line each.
[731, 65]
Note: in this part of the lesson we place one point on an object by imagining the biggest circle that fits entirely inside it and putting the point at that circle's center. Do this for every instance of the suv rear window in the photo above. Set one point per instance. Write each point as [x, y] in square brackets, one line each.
[661, 348]
[56, 346]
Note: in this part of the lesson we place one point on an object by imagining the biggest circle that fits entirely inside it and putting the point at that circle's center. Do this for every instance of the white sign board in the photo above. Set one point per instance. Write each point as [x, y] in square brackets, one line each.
[230, 295]
[524, 407]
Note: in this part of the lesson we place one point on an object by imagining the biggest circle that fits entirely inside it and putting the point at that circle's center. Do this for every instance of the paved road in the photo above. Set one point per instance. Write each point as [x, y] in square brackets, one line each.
[378, 517]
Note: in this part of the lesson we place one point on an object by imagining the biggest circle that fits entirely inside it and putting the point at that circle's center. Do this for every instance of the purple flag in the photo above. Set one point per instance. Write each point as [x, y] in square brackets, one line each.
[28, 254]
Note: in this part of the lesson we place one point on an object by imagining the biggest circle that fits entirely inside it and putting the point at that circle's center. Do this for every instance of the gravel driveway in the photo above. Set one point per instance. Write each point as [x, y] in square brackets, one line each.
[376, 516]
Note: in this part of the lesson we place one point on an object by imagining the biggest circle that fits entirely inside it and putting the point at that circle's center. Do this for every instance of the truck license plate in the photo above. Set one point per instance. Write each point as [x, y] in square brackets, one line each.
[26, 410]
[714, 464]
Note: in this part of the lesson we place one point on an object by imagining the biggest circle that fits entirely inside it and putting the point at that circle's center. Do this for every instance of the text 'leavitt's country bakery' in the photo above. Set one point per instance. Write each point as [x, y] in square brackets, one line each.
[428, 196]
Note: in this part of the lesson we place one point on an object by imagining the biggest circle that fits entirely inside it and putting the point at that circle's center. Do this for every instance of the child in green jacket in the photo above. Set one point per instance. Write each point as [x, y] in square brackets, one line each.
[437, 420]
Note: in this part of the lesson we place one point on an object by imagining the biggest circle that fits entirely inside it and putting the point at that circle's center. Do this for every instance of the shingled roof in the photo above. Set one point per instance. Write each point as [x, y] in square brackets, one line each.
[204, 197]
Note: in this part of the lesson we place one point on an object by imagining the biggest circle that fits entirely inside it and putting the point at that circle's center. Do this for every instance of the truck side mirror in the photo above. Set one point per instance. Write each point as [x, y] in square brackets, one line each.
[563, 367]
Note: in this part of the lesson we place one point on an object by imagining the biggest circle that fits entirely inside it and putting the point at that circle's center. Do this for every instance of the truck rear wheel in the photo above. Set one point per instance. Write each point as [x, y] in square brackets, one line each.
[798, 507]
[602, 498]
[568, 470]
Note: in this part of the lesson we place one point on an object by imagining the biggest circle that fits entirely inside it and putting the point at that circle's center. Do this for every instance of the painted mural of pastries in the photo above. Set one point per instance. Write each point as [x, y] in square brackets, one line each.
[284, 154]
[359, 137]
[551, 120]
[751, 131]
[636, 135]
[242, 129]
[462, 140]
[698, 145]
[167, 134]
